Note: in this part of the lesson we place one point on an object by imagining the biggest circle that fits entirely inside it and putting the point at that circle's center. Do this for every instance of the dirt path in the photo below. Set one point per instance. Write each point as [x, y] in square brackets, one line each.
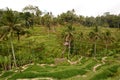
[47, 78]
[98, 65]
[75, 62]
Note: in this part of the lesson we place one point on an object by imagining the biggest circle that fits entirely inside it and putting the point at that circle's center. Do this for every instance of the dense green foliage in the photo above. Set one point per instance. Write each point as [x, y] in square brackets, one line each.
[34, 37]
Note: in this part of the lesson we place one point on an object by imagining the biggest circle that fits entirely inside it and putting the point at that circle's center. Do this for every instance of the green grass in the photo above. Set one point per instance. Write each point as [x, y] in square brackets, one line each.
[53, 49]
[110, 72]
[71, 72]
[56, 74]
[41, 69]
[6, 74]
[90, 65]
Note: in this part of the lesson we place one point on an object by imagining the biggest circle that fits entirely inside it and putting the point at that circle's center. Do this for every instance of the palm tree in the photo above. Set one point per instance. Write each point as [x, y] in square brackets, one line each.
[20, 30]
[35, 14]
[107, 38]
[94, 35]
[10, 19]
[47, 17]
[79, 42]
[4, 31]
[69, 39]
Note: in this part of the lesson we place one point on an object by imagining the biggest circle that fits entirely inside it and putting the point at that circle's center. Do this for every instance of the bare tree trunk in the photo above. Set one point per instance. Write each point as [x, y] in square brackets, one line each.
[69, 47]
[118, 25]
[63, 52]
[18, 36]
[106, 46]
[5, 66]
[9, 62]
[54, 29]
[95, 49]
[13, 52]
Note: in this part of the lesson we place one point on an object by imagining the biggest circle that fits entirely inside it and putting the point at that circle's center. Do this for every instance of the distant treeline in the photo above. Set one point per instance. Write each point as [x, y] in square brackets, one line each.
[32, 15]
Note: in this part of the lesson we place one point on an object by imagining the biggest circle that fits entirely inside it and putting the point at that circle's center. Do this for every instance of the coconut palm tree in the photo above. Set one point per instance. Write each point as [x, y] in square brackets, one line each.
[9, 19]
[79, 40]
[94, 36]
[107, 38]
[20, 30]
[68, 39]
[4, 31]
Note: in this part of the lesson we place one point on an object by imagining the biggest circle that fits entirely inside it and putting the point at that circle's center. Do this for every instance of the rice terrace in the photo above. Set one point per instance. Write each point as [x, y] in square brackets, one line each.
[38, 45]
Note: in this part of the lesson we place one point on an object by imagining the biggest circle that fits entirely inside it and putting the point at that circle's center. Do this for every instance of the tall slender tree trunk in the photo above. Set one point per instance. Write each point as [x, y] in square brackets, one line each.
[63, 52]
[69, 47]
[54, 30]
[5, 67]
[95, 49]
[13, 51]
[106, 46]
[118, 26]
[18, 36]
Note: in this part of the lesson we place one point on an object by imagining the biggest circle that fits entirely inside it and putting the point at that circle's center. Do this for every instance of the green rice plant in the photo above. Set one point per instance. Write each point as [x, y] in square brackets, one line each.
[90, 65]
[110, 72]
[6, 74]
[56, 74]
